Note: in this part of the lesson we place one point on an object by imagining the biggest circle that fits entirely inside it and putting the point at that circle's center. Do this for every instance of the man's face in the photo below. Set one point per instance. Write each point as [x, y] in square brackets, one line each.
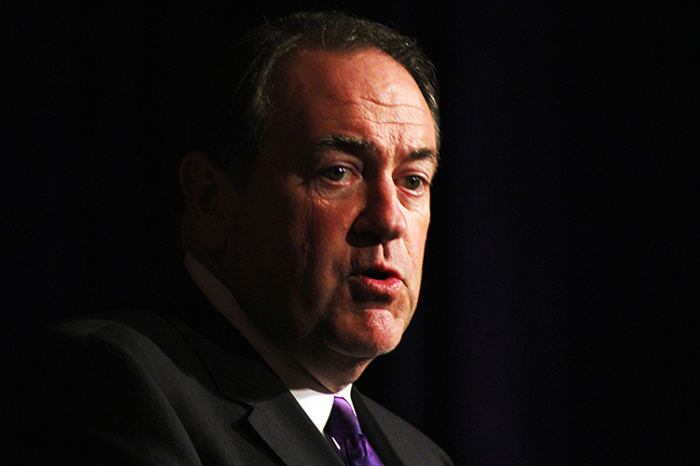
[325, 248]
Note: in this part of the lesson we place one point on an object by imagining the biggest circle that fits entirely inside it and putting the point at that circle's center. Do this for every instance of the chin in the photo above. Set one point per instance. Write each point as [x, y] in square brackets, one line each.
[364, 345]
[347, 358]
[361, 352]
[365, 334]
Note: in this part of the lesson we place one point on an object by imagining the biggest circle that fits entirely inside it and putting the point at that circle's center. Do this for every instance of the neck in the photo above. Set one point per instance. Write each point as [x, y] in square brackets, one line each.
[331, 369]
[294, 370]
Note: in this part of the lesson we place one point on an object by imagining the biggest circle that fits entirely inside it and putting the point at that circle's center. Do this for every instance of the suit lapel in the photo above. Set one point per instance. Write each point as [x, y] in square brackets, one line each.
[282, 423]
[275, 414]
[374, 433]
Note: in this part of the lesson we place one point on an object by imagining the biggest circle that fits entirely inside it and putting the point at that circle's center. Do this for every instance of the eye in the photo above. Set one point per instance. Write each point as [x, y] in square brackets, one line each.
[336, 173]
[415, 182]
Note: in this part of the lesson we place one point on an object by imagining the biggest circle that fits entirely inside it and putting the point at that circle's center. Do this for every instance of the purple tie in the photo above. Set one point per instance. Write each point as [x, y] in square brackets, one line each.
[344, 428]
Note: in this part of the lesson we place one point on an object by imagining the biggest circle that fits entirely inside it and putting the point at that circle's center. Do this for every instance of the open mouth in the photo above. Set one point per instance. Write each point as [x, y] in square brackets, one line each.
[377, 284]
[377, 274]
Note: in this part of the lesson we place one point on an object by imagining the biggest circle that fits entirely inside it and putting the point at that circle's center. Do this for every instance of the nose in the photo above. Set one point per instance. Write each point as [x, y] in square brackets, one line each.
[383, 218]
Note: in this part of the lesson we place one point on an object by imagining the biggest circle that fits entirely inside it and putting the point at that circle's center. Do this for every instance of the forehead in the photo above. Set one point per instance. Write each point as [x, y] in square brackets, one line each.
[365, 92]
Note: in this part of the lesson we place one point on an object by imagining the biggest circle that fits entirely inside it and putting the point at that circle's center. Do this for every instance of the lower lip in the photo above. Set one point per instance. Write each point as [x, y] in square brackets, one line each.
[385, 287]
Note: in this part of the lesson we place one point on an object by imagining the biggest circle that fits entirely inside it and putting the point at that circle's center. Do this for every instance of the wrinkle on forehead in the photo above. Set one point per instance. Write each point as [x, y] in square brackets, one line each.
[370, 101]
[381, 112]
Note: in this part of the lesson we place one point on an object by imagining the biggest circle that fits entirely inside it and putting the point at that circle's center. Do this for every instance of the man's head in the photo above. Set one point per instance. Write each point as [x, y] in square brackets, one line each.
[322, 242]
[232, 119]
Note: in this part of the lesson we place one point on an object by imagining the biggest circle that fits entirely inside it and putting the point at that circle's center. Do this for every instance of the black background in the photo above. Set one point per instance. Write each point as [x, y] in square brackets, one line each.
[556, 324]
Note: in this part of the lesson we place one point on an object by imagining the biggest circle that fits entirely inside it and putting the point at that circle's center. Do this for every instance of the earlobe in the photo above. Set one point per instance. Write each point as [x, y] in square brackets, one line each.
[203, 187]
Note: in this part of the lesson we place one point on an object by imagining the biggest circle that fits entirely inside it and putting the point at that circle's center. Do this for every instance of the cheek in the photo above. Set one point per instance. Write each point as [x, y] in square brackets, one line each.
[327, 253]
[416, 241]
[328, 224]
[318, 234]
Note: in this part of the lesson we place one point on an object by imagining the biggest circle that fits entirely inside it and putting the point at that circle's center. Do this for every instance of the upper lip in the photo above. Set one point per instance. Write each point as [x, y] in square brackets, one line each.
[380, 272]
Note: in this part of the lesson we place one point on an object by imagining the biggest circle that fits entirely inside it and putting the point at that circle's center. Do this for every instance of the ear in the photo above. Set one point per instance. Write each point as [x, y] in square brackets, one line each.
[207, 190]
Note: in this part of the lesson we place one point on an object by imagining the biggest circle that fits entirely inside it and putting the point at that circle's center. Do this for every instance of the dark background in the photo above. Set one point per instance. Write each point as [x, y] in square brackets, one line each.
[556, 324]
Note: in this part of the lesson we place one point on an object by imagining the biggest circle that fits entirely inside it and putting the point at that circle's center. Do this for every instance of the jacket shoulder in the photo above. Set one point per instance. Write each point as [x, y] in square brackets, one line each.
[96, 388]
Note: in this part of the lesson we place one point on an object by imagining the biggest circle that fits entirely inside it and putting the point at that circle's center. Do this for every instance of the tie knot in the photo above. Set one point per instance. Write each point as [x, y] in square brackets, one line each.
[342, 422]
[344, 427]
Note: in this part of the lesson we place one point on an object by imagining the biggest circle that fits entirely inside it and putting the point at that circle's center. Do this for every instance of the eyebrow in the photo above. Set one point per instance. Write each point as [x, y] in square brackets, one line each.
[345, 143]
[354, 145]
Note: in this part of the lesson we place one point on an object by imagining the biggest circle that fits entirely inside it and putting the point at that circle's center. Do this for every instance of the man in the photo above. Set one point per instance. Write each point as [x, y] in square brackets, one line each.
[305, 216]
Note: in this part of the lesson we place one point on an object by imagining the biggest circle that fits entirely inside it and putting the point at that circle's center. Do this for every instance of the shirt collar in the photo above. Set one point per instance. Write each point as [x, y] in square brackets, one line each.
[318, 405]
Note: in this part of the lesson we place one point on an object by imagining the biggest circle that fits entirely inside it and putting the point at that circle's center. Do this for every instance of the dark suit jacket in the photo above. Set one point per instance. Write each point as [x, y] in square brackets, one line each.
[178, 386]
